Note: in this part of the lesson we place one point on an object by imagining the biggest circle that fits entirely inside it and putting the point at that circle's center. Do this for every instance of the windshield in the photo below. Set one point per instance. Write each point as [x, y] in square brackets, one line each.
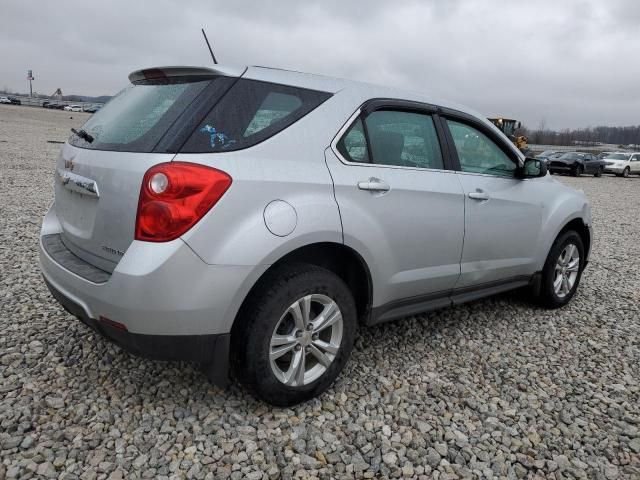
[618, 156]
[137, 117]
[571, 156]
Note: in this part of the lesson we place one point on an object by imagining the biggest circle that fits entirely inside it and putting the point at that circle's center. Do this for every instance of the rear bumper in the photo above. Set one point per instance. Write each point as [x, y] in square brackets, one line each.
[211, 351]
[173, 305]
[155, 289]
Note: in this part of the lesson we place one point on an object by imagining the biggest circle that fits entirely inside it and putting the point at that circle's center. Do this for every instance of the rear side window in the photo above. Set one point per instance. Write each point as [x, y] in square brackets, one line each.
[353, 144]
[137, 117]
[406, 139]
[249, 113]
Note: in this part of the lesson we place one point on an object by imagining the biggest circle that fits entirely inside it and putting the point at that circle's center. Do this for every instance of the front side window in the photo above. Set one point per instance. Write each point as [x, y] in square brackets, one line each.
[478, 153]
[249, 113]
[405, 139]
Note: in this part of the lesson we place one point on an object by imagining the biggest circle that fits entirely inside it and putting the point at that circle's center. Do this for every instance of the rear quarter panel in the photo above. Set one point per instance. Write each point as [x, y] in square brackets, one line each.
[289, 166]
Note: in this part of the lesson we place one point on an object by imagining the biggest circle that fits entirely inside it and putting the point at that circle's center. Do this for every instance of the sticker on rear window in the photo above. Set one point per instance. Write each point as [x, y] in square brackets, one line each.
[217, 138]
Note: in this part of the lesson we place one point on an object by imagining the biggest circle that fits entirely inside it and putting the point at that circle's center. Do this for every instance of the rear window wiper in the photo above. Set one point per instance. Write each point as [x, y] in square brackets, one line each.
[83, 134]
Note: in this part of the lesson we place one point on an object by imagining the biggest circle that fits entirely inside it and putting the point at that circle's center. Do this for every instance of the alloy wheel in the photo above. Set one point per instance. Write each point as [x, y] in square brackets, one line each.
[566, 271]
[306, 340]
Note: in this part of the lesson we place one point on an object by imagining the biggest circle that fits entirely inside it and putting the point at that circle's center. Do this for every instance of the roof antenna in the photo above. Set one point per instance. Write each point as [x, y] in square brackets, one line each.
[215, 62]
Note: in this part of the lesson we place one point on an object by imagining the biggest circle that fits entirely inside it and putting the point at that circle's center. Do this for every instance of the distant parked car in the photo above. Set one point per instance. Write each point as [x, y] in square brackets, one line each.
[576, 163]
[623, 164]
[4, 100]
[603, 155]
[544, 156]
[15, 101]
[92, 108]
[73, 108]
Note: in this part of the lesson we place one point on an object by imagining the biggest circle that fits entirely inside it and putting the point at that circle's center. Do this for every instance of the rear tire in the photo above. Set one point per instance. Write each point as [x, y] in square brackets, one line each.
[561, 265]
[282, 315]
[576, 172]
[598, 172]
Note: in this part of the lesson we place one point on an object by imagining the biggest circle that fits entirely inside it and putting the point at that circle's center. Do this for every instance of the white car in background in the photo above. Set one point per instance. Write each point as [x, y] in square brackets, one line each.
[622, 164]
[4, 100]
[73, 108]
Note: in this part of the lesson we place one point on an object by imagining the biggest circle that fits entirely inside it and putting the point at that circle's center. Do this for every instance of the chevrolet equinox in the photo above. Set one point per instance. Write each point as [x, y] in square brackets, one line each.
[251, 219]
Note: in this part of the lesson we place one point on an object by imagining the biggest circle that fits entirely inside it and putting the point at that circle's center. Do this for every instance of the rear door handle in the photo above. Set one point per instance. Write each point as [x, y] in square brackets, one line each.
[374, 185]
[479, 195]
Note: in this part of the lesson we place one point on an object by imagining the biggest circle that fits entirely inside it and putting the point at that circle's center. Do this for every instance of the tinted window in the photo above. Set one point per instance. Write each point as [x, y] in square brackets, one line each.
[478, 153]
[403, 138]
[137, 118]
[353, 144]
[249, 113]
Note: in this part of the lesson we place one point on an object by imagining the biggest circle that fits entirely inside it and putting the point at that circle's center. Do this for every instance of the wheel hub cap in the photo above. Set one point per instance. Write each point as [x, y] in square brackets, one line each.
[306, 340]
[566, 271]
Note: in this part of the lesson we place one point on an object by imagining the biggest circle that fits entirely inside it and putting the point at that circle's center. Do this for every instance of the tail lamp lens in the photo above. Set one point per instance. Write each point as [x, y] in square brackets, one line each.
[174, 197]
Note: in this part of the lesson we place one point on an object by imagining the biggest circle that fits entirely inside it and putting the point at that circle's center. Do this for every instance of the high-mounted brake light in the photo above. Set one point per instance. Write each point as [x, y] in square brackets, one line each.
[174, 196]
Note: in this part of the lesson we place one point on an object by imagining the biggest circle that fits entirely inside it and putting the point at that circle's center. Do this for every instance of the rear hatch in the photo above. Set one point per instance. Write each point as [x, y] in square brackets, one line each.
[100, 171]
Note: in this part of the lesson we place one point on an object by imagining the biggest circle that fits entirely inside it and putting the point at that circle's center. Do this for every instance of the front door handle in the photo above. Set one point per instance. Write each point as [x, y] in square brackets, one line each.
[374, 185]
[479, 195]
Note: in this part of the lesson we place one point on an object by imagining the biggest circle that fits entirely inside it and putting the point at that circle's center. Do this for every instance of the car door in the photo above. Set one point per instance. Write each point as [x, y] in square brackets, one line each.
[401, 208]
[591, 163]
[503, 213]
[634, 164]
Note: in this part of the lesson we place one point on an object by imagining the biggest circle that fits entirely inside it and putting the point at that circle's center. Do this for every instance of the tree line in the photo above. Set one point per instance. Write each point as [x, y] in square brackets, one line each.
[590, 135]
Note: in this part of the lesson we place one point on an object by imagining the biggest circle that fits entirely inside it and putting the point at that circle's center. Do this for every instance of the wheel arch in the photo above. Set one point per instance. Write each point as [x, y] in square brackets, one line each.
[578, 225]
[338, 258]
[575, 222]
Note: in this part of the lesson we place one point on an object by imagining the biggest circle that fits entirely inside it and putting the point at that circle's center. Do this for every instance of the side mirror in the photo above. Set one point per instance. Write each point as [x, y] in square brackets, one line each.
[533, 168]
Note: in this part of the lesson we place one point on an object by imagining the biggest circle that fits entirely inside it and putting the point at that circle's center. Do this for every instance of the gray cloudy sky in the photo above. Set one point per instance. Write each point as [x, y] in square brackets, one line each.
[572, 63]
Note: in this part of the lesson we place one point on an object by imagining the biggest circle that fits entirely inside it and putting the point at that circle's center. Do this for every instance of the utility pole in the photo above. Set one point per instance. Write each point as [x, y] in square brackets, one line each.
[30, 78]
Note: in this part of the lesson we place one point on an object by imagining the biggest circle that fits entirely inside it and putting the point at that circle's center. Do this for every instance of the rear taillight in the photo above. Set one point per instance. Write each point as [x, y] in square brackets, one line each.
[174, 196]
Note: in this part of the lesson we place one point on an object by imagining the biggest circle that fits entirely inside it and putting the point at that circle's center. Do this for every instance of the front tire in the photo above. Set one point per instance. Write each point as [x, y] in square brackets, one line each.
[577, 171]
[598, 172]
[294, 335]
[562, 270]
[625, 172]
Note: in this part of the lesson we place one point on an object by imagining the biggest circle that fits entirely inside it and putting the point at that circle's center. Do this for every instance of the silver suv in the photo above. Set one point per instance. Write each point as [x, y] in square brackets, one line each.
[250, 220]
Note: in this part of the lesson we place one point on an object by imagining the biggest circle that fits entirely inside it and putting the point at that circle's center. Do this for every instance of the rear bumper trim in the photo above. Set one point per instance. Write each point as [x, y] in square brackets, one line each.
[210, 351]
[58, 251]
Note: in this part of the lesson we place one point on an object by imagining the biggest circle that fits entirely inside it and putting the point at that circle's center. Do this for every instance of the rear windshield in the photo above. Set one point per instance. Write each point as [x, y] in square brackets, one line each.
[137, 117]
[249, 113]
[193, 115]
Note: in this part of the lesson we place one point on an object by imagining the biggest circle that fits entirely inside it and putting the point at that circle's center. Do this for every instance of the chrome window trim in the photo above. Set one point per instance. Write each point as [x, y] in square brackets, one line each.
[350, 121]
[492, 175]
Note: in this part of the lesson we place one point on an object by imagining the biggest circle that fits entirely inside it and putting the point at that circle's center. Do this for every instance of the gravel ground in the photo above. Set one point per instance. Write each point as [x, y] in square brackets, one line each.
[495, 388]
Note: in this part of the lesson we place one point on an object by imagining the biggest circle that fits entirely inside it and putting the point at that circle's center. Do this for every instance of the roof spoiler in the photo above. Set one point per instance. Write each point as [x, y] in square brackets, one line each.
[160, 73]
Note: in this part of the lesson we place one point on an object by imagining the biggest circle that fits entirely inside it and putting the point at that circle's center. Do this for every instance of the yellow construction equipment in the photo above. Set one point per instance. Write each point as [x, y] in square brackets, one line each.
[509, 127]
